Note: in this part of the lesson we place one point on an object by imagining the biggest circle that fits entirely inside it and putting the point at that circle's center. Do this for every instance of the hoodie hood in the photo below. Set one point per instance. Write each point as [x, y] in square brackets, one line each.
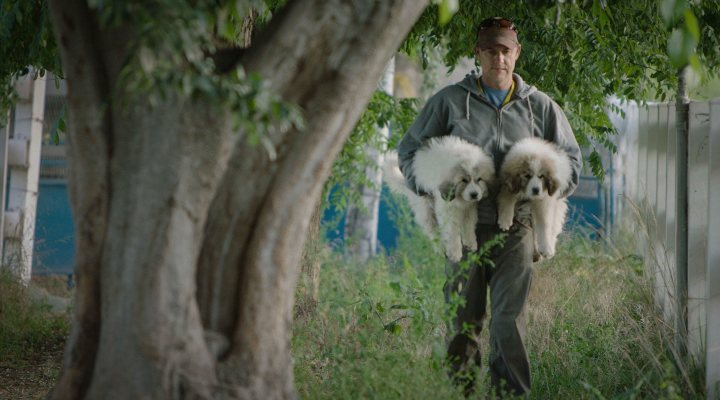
[470, 83]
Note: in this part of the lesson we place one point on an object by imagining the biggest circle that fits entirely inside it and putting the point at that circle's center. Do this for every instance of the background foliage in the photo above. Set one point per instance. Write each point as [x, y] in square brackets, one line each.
[349, 168]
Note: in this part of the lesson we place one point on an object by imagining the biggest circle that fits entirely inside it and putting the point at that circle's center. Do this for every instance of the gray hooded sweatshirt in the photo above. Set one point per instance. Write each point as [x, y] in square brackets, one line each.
[463, 110]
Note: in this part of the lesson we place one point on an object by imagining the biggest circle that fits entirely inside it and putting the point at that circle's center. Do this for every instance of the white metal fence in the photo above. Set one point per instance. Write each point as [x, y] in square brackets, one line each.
[648, 157]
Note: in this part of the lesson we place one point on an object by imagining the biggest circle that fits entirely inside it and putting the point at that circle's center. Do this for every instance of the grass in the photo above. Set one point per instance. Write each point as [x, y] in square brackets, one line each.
[593, 333]
[31, 342]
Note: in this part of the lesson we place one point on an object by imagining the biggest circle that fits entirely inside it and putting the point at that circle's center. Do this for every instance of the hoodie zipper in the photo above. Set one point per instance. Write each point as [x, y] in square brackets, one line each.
[499, 129]
[499, 118]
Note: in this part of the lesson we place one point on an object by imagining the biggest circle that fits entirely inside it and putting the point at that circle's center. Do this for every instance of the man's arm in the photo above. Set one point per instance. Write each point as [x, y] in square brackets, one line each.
[429, 123]
[558, 130]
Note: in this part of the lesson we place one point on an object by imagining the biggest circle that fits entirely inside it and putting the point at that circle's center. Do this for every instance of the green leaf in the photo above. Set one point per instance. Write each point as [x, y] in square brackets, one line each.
[379, 307]
[598, 12]
[596, 165]
[61, 122]
[691, 24]
[393, 328]
[671, 10]
[695, 63]
[681, 46]
[446, 10]
[395, 286]
[58, 126]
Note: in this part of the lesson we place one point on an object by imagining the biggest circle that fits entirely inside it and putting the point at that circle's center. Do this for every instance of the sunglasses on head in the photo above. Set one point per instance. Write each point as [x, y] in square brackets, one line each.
[497, 22]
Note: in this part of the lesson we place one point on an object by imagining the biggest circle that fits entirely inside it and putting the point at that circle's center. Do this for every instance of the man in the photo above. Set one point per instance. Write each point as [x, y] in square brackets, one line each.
[493, 111]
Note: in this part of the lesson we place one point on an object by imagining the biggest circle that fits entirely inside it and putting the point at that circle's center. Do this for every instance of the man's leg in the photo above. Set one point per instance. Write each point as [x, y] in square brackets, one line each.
[509, 288]
[470, 285]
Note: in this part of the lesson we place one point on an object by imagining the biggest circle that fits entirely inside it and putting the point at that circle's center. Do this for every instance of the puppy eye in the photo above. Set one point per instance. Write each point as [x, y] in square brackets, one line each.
[528, 176]
[465, 180]
[478, 180]
[541, 176]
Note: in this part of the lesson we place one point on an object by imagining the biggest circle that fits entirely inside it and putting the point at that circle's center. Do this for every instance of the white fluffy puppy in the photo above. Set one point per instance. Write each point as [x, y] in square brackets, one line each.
[538, 171]
[457, 174]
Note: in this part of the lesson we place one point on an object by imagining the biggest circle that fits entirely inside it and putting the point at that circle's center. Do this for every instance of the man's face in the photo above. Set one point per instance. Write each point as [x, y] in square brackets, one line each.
[498, 64]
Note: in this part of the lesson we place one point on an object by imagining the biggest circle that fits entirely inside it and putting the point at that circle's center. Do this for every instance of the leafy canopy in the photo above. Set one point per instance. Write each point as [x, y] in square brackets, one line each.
[170, 53]
[581, 52]
[26, 39]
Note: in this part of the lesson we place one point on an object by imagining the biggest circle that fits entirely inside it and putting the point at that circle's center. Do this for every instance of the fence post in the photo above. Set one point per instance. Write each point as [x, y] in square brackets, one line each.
[681, 202]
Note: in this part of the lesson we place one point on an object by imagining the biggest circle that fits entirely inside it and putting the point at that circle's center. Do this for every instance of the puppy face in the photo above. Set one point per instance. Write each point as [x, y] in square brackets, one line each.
[466, 184]
[533, 179]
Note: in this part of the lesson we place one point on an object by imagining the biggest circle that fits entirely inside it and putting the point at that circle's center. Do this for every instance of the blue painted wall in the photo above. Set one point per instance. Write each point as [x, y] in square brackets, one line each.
[55, 241]
[587, 213]
[54, 249]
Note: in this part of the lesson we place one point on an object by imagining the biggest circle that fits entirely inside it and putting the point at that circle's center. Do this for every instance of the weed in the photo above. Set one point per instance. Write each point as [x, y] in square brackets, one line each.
[31, 340]
[26, 326]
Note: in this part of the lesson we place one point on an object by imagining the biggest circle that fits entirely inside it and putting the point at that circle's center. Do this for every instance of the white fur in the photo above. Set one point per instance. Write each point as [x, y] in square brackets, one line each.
[548, 211]
[421, 206]
[444, 162]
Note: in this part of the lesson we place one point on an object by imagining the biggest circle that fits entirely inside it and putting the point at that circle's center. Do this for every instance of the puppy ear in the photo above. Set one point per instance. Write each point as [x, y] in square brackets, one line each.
[551, 184]
[447, 191]
[515, 183]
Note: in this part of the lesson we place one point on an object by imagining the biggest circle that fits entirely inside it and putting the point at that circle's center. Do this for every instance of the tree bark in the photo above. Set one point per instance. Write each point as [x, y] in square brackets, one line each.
[88, 146]
[326, 56]
[309, 285]
[188, 237]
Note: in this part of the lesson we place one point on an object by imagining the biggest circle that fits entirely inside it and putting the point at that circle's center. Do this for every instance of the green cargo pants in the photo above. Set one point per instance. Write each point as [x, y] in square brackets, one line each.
[509, 284]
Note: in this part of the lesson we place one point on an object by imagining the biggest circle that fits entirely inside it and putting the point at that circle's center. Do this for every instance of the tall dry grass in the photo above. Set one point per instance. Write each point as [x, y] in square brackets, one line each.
[594, 332]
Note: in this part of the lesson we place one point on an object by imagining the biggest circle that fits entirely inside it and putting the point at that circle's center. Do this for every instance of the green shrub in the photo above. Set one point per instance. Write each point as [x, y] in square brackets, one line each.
[26, 326]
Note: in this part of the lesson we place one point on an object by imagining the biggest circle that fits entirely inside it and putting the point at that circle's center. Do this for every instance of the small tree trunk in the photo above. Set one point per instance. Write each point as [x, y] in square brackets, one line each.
[361, 221]
[309, 287]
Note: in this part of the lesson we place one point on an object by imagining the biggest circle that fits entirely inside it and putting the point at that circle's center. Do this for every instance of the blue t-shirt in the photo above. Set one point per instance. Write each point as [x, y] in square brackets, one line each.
[496, 96]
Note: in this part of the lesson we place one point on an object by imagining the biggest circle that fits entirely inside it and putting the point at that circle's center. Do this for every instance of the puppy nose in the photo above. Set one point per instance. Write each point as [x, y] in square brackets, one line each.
[535, 190]
[473, 195]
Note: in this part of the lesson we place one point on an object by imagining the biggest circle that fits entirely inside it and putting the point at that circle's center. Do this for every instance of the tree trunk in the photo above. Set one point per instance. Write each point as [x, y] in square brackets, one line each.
[361, 222]
[309, 285]
[188, 238]
[88, 150]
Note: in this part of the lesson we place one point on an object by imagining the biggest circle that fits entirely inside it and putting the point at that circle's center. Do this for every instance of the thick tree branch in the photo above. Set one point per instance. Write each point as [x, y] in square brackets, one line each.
[326, 56]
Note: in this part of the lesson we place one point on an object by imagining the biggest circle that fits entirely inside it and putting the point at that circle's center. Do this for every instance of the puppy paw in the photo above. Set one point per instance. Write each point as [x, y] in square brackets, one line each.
[454, 254]
[472, 246]
[505, 222]
[545, 251]
[550, 253]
